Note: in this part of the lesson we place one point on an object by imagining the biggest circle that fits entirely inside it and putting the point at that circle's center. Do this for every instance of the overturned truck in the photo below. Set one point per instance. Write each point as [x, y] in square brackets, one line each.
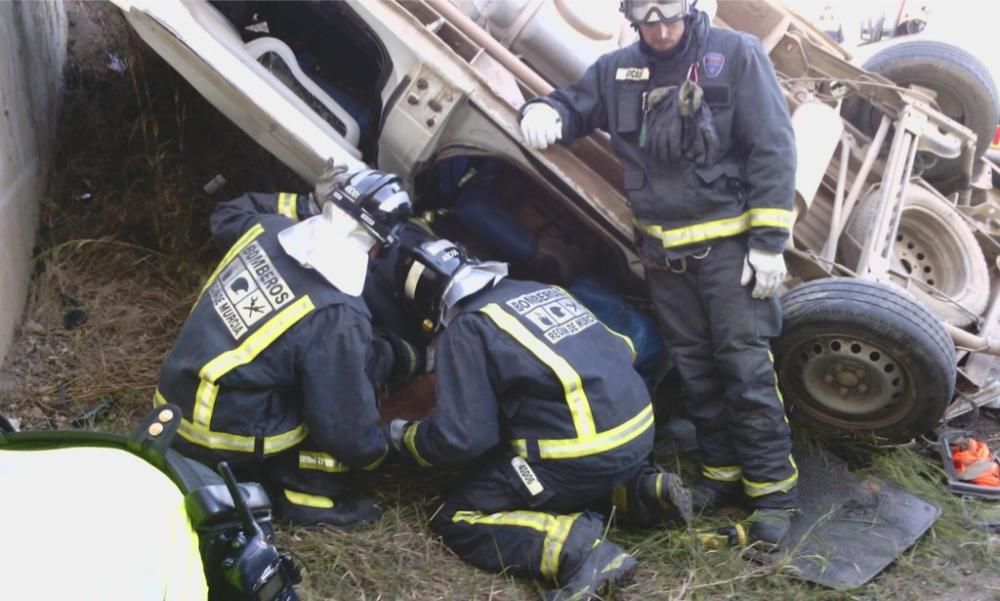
[891, 304]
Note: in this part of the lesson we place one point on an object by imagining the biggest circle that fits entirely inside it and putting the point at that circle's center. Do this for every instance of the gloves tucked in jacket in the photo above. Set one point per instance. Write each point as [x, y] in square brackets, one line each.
[541, 125]
[677, 125]
[766, 268]
[699, 138]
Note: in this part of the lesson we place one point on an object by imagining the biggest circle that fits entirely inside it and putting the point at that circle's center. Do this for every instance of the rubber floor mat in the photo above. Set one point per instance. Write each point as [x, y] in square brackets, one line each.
[848, 528]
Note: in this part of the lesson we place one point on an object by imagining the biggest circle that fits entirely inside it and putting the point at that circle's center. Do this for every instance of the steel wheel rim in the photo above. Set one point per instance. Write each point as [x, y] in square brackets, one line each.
[847, 381]
[924, 254]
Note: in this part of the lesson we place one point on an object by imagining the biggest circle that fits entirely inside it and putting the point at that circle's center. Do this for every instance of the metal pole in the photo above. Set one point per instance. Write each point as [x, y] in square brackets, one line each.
[830, 248]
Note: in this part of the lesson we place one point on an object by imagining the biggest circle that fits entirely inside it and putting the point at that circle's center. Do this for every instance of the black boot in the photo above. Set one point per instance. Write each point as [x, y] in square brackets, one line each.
[346, 514]
[653, 496]
[605, 564]
[672, 500]
[770, 526]
[708, 496]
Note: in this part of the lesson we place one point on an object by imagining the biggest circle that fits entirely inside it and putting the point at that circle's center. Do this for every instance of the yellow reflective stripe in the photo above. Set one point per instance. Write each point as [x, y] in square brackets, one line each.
[222, 441]
[720, 228]
[374, 464]
[722, 473]
[659, 493]
[520, 446]
[322, 462]
[410, 440]
[204, 403]
[258, 341]
[244, 241]
[554, 545]
[627, 340]
[287, 205]
[555, 527]
[759, 489]
[777, 389]
[570, 448]
[779, 218]
[576, 397]
[301, 498]
[205, 397]
[615, 563]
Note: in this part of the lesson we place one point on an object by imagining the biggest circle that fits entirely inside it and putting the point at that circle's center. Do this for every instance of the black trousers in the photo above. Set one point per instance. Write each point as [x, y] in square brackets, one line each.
[296, 476]
[495, 522]
[718, 337]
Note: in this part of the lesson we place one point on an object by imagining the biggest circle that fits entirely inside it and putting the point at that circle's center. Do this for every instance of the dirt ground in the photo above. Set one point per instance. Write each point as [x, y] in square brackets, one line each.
[122, 250]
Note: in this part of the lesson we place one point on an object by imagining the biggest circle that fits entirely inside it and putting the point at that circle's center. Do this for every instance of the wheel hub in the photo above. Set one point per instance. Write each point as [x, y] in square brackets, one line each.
[850, 377]
[921, 255]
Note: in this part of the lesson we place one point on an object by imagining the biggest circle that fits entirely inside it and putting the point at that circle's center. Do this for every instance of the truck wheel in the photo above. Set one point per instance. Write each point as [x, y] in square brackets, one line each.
[933, 246]
[965, 91]
[861, 357]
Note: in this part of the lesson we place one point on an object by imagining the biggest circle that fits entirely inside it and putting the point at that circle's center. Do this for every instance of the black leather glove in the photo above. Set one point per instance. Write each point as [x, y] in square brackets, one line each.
[661, 131]
[408, 360]
[699, 138]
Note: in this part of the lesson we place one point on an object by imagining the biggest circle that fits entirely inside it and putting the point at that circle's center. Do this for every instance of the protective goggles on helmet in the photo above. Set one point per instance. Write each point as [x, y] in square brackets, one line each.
[654, 11]
[376, 200]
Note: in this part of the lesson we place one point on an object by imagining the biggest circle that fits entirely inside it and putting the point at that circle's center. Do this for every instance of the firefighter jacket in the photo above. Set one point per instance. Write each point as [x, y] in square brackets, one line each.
[525, 365]
[681, 208]
[272, 353]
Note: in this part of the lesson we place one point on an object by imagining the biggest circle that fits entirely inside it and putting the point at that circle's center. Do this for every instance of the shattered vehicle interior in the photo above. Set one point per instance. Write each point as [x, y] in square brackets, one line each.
[893, 298]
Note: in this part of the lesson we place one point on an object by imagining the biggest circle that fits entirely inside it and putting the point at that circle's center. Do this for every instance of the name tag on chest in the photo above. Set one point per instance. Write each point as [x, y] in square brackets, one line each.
[632, 74]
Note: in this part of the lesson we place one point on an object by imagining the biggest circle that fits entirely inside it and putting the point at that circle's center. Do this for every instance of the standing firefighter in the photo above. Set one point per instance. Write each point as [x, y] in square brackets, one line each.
[276, 365]
[698, 120]
[537, 390]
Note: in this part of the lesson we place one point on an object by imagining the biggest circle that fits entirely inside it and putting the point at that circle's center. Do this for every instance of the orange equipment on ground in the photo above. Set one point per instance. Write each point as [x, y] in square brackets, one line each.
[974, 462]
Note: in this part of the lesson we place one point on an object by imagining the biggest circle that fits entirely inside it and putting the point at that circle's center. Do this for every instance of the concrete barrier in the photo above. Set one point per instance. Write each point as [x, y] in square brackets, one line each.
[32, 54]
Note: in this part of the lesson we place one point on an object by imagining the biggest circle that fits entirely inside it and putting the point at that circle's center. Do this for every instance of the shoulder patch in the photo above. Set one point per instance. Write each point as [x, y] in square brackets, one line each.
[632, 74]
[555, 314]
[248, 289]
[714, 62]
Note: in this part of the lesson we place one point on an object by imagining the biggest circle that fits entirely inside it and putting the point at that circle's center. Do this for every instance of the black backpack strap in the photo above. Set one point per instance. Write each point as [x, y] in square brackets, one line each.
[152, 439]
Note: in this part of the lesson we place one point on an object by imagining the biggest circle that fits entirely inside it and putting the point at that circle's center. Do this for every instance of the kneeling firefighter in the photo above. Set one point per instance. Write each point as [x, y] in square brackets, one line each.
[545, 397]
[277, 366]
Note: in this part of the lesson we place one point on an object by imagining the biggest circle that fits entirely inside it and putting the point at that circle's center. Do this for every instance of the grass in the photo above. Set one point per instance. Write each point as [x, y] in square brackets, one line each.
[133, 254]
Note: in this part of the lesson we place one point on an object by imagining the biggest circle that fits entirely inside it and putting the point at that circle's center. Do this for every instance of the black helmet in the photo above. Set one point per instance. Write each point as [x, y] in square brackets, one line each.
[376, 200]
[654, 11]
[433, 275]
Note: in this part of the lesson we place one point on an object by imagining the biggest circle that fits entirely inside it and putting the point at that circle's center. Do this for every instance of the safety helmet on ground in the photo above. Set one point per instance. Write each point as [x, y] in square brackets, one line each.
[640, 12]
[376, 200]
[433, 275]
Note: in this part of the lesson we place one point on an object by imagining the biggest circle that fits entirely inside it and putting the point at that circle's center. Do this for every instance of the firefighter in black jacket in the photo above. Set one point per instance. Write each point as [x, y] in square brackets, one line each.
[274, 367]
[532, 385]
[699, 122]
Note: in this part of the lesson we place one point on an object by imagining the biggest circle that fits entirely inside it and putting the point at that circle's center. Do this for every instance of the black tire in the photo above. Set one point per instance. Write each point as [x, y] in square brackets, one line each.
[888, 352]
[935, 246]
[966, 91]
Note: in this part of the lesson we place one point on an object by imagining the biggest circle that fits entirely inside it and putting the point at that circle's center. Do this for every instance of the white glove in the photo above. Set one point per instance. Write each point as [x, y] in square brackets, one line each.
[541, 125]
[397, 428]
[767, 268]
